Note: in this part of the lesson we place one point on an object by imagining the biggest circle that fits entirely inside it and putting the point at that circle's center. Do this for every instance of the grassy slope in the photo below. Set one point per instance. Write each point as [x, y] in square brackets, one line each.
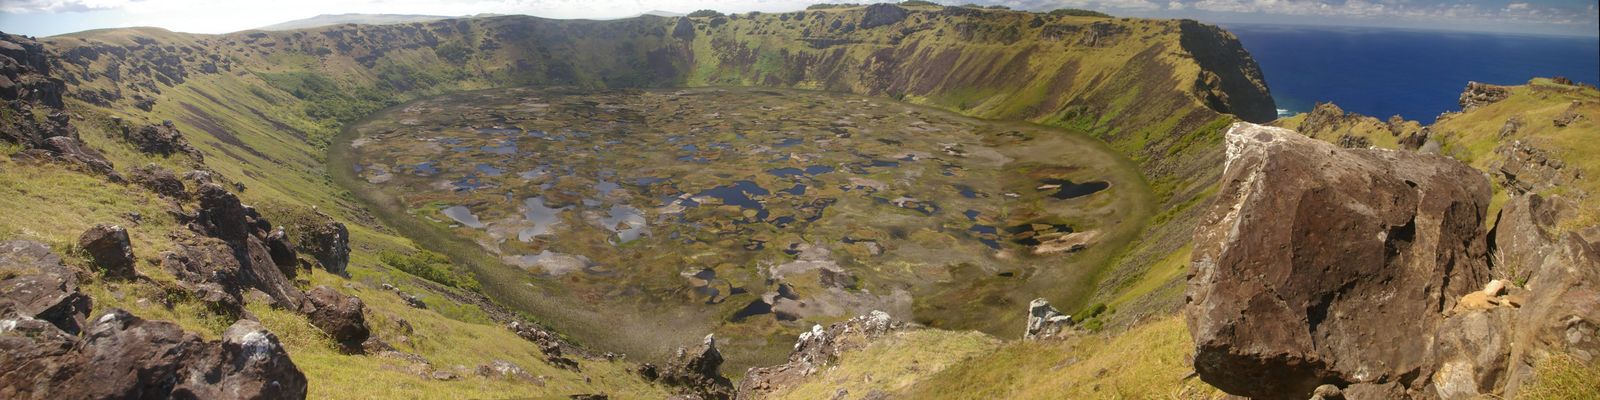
[1134, 93]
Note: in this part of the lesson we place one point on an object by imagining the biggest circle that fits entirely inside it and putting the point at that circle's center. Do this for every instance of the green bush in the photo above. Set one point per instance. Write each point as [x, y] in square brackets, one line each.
[1091, 311]
[431, 266]
[918, 3]
[705, 13]
[325, 102]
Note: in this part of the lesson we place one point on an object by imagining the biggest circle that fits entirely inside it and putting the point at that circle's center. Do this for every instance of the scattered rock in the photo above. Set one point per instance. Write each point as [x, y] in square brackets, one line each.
[1349, 141]
[549, 343]
[412, 300]
[1513, 123]
[504, 370]
[1044, 321]
[1311, 253]
[159, 180]
[339, 315]
[815, 350]
[110, 248]
[1568, 116]
[35, 284]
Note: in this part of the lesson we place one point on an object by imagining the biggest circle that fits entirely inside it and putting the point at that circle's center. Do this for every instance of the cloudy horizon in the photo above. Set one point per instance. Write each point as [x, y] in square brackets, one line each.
[1543, 17]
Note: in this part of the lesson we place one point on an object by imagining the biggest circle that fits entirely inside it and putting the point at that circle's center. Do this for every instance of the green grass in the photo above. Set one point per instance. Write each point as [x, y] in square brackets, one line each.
[1563, 377]
[1148, 361]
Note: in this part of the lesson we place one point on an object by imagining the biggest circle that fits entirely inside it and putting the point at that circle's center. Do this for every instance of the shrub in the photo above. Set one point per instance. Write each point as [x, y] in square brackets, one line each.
[431, 266]
[705, 13]
[918, 3]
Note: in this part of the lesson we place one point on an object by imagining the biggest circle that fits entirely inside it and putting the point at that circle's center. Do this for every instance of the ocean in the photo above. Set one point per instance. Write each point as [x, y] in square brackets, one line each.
[1417, 74]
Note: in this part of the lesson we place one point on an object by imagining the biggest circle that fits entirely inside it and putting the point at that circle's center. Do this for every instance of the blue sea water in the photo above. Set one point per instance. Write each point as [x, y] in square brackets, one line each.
[1416, 74]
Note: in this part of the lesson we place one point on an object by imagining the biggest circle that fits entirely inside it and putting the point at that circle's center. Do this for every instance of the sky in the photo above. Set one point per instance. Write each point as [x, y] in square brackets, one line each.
[1542, 17]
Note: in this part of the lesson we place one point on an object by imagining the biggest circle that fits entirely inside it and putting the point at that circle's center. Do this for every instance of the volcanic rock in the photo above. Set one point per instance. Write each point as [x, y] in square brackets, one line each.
[1568, 116]
[1482, 94]
[222, 216]
[163, 139]
[123, 356]
[36, 285]
[110, 248]
[1320, 265]
[697, 371]
[328, 241]
[282, 252]
[339, 315]
[159, 180]
[1044, 321]
[549, 343]
[880, 14]
[815, 350]
[1561, 313]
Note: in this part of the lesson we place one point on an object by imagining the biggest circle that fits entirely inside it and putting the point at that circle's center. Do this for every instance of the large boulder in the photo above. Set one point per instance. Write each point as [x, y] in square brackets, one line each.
[224, 217]
[817, 349]
[35, 284]
[110, 248]
[1044, 321]
[339, 315]
[124, 356]
[207, 267]
[328, 241]
[698, 371]
[1482, 94]
[282, 251]
[1321, 265]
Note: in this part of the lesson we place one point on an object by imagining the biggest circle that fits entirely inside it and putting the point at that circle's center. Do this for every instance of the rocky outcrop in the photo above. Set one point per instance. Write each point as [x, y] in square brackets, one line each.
[815, 350]
[222, 216]
[1524, 167]
[880, 14]
[110, 248]
[697, 371]
[1560, 312]
[163, 139]
[1320, 265]
[160, 180]
[124, 356]
[1044, 321]
[1482, 94]
[339, 315]
[34, 284]
[1230, 81]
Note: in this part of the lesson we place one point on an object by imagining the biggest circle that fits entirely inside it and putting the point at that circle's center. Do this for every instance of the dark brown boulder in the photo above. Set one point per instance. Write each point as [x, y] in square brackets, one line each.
[159, 180]
[124, 356]
[110, 248]
[1320, 265]
[222, 216]
[252, 365]
[282, 252]
[339, 315]
[207, 267]
[35, 284]
[698, 371]
[328, 241]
